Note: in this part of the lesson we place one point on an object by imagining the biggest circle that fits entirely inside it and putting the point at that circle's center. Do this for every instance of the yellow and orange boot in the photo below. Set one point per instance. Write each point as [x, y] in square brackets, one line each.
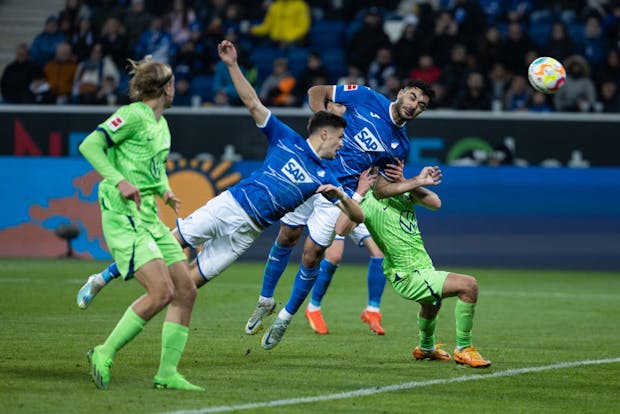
[470, 356]
[436, 355]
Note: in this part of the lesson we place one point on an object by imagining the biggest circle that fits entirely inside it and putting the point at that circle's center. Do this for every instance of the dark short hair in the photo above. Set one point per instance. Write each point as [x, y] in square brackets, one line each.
[423, 86]
[323, 118]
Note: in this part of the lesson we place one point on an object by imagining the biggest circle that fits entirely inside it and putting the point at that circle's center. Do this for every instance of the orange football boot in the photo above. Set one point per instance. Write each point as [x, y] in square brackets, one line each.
[316, 321]
[373, 319]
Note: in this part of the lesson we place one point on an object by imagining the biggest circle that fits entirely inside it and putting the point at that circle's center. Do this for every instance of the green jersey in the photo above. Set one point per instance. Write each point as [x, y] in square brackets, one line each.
[393, 225]
[138, 145]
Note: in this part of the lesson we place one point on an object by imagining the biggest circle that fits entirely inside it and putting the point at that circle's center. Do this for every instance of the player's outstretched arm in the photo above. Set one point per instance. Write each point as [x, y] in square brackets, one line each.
[348, 206]
[427, 198]
[246, 92]
[428, 176]
[318, 95]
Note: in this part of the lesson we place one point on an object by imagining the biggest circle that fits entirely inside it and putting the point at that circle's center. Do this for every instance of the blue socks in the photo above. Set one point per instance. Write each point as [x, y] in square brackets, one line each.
[304, 280]
[326, 273]
[276, 263]
[110, 272]
[376, 281]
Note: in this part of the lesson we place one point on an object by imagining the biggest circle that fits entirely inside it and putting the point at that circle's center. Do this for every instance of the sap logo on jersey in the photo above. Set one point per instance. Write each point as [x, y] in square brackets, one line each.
[295, 172]
[368, 141]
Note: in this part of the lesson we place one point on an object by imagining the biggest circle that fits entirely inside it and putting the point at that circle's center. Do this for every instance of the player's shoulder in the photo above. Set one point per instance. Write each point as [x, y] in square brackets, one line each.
[125, 116]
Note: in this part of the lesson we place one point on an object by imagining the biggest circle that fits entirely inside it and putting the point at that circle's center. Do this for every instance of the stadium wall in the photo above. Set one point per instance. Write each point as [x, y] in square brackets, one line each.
[444, 136]
[491, 216]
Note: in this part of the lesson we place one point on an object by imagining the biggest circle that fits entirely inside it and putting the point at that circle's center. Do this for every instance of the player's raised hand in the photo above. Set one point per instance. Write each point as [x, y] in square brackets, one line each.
[228, 53]
[395, 171]
[367, 180]
[430, 176]
[172, 201]
[129, 192]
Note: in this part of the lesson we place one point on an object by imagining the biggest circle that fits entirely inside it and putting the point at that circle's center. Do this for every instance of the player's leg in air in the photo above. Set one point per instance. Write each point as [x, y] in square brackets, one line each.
[94, 284]
[376, 282]
[292, 226]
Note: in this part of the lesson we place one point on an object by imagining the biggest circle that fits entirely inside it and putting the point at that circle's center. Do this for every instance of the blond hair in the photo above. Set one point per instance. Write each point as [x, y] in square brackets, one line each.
[148, 79]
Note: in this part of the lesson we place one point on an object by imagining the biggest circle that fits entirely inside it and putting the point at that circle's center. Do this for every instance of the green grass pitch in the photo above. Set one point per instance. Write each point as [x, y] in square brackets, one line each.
[525, 319]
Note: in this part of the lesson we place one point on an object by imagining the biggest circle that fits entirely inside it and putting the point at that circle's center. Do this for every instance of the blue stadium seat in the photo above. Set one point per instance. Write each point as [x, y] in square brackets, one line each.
[335, 63]
[263, 58]
[202, 85]
[325, 34]
[540, 33]
[575, 30]
[297, 59]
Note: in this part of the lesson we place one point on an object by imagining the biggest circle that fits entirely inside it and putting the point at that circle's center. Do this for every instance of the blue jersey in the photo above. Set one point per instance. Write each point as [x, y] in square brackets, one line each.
[290, 174]
[371, 137]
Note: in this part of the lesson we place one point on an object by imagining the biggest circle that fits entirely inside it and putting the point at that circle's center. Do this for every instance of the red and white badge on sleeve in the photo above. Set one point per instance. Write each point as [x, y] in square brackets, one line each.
[350, 87]
[115, 123]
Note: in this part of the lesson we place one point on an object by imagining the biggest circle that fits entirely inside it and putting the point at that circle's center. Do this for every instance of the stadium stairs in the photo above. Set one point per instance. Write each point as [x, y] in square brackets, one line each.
[21, 21]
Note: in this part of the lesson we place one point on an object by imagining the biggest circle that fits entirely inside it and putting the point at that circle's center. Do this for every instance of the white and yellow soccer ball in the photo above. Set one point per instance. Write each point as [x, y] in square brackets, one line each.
[546, 74]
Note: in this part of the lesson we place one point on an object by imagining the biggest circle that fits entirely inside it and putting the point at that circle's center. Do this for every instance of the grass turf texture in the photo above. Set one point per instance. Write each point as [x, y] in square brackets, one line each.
[524, 319]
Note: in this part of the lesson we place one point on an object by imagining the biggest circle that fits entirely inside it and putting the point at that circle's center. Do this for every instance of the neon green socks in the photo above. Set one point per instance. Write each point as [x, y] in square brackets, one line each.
[125, 330]
[173, 340]
[464, 315]
[427, 332]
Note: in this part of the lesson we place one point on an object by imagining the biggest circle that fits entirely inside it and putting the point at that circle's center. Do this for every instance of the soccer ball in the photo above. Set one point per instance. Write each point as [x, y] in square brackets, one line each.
[546, 75]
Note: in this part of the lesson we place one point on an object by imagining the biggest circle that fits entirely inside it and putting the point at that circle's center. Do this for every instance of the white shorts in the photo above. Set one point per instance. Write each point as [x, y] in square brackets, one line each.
[319, 215]
[225, 231]
[357, 235]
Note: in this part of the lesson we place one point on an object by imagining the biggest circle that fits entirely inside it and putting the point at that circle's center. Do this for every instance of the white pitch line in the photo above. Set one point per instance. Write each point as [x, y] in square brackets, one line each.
[389, 388]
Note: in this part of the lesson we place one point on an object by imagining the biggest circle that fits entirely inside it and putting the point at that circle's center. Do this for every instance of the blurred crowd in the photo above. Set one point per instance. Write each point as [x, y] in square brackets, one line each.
[475, 53]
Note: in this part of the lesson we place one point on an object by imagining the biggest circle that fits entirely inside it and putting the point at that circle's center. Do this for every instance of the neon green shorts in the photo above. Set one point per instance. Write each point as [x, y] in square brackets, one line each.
[422, 286]
[134, 244]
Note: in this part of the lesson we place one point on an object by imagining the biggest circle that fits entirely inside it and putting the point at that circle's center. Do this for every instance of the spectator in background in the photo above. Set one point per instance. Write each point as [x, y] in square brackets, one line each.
[109, 94]
[354, 76]
[391, 87]
[426, 70]
[181, 21]
[114, 41]
[453, 74]
[182, 94]
[102, 10]
[593, 46]
[578, 93]
[446, 36]
[41, 91]
[82, 40]
[277, 89]
[364, 43]
[410, 46]
[135, 21]
[156, 42]
[560, 45]
[518, 94]
[490, 49]
[499, 80]
[307, 77]
[610, 70]
[17, 77]
[60, 72]
[70, 16]
[381, 68]
[539, 102]
[475, 96]
[609, 96]
[213, 15]
[90, 74]
[470, 19]
[44, 46]
[516, 46]
[286, 23]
